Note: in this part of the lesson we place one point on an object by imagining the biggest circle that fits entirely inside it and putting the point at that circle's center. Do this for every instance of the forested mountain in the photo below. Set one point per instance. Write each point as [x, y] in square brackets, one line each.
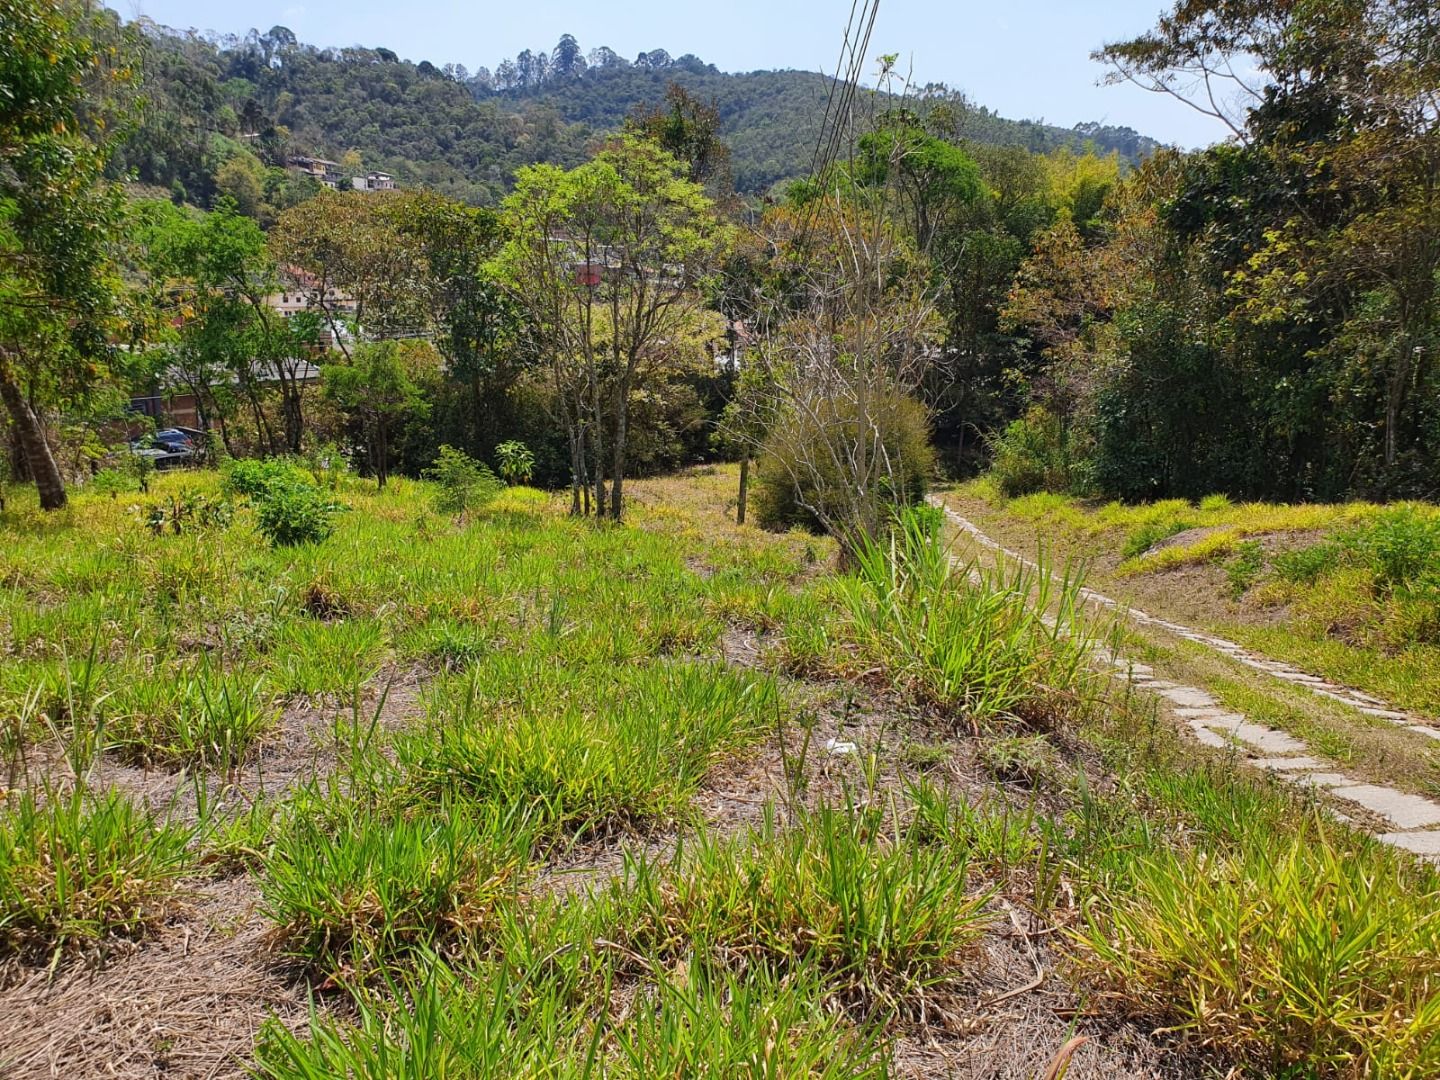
[465, 134]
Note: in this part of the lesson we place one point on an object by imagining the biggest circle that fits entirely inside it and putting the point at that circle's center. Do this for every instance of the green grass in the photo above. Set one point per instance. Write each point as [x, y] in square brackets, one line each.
[583, 749]
[1305, 952]
[77, 869]
[972, 640]
[518, 869]
[879, 913]
[352, 886]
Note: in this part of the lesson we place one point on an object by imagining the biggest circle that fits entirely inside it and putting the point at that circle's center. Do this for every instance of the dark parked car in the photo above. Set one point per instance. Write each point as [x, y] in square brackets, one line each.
[169, 447]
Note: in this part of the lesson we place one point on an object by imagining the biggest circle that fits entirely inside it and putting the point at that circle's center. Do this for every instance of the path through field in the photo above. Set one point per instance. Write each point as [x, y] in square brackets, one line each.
[1410, 821]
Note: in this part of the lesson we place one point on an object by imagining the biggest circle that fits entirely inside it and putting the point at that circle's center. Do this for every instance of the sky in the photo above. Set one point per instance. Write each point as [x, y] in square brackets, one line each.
[1025, 59]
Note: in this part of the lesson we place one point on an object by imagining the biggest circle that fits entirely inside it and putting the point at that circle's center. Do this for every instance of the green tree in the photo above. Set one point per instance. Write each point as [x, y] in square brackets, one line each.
[607, 261]
[382, 389]
[215, 275]
[63, 71]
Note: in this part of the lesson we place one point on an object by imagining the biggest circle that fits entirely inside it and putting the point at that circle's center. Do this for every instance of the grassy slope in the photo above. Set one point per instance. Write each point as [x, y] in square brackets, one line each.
[1307, 624]
[574, 698]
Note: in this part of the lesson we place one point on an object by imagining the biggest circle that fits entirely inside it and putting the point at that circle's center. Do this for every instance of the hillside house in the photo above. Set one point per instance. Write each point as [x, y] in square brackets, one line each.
[324, 172]
[373, 181]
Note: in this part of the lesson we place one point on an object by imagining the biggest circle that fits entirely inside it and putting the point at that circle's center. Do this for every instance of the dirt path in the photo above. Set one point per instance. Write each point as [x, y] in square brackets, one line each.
[1398, 818]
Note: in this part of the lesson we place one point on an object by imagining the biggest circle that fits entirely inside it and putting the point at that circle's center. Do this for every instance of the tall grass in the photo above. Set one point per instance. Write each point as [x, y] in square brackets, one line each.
[448, 1022]
[76, 869]
[200, 717]
[974, 640]
[1300, 951]
[585, 749]
[352, 884]
[878, 913]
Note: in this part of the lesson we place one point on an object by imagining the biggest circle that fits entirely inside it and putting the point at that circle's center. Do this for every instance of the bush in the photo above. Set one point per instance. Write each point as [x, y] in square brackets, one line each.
[778, 503]
[1032, 454]
[295, 512]
[465, 483]
[516, 461]
[1401, 549]
[253, 477]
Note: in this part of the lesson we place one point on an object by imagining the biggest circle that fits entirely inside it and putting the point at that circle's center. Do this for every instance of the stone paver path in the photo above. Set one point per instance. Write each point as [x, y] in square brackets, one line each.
[1413, 818]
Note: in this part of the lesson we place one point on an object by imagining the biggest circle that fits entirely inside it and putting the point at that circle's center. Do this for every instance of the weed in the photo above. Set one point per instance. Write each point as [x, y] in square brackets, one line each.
[1305, 565]
[1028, 760]
[585, 750]
[879, 914]
[1245, 567]
[972, 639]
[1149, 533]
[289, 514]
[464, 483]
[1297, 952]
[203, 717]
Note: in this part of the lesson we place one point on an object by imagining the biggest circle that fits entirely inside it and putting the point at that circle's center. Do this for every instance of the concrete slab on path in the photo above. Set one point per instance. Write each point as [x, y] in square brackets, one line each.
[1405, 810]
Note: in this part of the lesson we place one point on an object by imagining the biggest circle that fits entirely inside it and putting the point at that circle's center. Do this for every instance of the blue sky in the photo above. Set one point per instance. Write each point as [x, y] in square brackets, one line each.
[1023, 58]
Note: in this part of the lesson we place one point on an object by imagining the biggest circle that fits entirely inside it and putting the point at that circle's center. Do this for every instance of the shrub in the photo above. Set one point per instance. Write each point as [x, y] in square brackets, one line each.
[1031, 455]
[796, 476]
[290, 512]
[253, 477]
[516, 461]
[75, 870]
[1401, 548]
[187, 511]
[327, 465]
[464, 483]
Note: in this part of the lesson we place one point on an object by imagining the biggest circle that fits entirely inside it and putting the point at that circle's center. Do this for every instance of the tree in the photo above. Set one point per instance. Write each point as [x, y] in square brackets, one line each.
[689, 130]
[63, 67]
[241, 179]
[606, 261]
[1316, 238]
[215, 276]
[344, 250]
[567, 61]
[849, 332]
[382, 390]
[472, 317]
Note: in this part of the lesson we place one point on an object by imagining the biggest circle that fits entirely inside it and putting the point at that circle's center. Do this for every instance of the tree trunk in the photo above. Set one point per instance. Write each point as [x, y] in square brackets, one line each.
[382, 451]
[577, 469]
[34, 444]
[744, 489]
[617, 477]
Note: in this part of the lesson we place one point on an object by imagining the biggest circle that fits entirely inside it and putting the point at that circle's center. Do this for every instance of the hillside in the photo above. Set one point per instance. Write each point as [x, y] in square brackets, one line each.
[465, 135]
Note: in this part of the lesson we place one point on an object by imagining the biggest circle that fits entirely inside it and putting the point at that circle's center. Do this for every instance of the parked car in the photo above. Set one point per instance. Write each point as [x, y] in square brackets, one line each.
[169, 447]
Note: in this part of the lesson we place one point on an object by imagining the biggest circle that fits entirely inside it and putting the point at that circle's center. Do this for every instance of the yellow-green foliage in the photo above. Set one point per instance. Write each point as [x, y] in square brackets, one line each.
[1306, 951]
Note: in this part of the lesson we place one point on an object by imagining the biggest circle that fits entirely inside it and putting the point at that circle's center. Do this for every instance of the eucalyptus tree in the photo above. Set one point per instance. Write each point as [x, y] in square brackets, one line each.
[608, 261]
